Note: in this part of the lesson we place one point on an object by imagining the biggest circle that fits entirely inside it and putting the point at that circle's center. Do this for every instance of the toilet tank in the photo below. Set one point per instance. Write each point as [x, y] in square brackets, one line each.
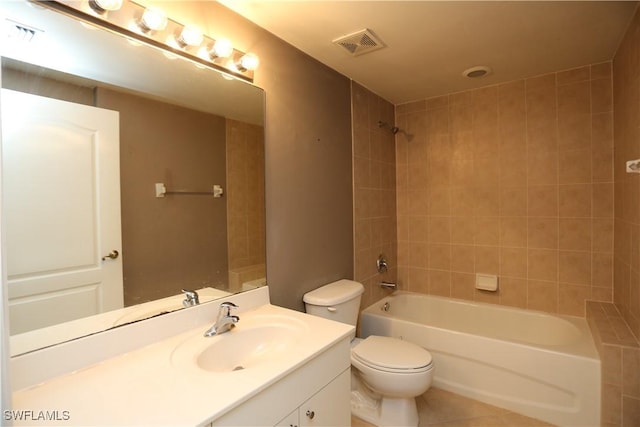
[339, 301]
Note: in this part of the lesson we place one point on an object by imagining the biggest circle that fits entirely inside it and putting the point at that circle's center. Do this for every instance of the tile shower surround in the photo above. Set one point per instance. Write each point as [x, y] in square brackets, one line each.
[374, 180]
[626, 88]
[514, 180]
[620, 355]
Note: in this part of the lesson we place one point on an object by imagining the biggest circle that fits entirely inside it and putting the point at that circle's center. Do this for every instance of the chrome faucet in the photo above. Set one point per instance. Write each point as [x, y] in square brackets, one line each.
[381, 263]
[224, 321]
[191, 298]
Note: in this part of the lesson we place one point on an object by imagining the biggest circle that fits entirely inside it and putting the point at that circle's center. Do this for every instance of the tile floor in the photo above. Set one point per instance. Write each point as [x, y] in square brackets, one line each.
[439, 408]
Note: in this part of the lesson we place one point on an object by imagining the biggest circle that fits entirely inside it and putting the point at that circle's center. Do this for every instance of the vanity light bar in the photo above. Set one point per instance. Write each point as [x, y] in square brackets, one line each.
[152, 26]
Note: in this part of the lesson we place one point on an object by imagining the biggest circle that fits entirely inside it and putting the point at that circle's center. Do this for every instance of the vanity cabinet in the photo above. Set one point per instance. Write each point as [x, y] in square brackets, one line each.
[312, 373]
[328, 407]
[320, 387]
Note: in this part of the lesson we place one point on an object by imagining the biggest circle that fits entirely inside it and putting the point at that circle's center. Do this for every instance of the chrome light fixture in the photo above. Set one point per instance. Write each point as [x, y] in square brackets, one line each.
[151, 25]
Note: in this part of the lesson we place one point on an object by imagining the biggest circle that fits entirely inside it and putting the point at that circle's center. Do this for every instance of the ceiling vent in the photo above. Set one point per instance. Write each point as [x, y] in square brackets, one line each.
[20, 32]
[360, 42]
[476, 72]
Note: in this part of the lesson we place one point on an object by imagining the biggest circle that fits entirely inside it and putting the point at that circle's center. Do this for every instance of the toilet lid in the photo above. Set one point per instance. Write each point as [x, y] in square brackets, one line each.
[391, 353]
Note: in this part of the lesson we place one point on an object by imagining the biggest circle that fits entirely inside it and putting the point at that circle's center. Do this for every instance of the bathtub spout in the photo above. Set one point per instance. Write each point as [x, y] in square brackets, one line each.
[388, 285]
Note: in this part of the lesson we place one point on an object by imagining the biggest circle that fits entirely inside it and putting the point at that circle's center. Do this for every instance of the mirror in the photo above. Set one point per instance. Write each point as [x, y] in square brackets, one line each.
[183, 134]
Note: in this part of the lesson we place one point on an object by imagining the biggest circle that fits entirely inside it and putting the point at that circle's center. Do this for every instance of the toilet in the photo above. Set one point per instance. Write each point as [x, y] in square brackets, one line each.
[387, 373]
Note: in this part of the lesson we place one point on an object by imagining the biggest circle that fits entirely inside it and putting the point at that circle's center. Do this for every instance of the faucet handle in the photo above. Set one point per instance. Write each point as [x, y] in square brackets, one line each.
[191, 298]
[225, 308]
[228, 304]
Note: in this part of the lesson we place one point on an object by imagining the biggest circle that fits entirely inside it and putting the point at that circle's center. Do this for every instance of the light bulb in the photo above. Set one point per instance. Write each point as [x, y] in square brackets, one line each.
[249, 62]
[153, 19]
[190, 36]
[102, 6]
[222, 48]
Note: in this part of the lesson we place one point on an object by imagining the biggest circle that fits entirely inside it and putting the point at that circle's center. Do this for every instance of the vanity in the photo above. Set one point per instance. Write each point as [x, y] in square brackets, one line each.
[276, 367]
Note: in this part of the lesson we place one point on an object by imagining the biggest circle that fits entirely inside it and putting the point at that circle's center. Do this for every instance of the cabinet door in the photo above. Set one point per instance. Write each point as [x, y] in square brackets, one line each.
[290, 420]
[331, 406]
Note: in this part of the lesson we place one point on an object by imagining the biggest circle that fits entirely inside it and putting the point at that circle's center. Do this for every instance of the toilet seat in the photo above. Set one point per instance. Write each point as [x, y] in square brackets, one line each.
[392, 355]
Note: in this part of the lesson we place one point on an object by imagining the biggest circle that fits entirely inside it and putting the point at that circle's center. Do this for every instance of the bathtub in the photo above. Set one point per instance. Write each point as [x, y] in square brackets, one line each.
[537, 364]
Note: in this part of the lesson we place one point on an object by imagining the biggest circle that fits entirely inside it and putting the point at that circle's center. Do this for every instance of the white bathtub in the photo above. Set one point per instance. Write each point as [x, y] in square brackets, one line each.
[541, 365]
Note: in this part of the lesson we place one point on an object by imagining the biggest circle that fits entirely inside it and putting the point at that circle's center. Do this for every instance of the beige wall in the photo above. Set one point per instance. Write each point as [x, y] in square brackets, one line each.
[308, 173]
[36, 84]
[513, 180]
[179, 241]
[374, 183]
[308, 170]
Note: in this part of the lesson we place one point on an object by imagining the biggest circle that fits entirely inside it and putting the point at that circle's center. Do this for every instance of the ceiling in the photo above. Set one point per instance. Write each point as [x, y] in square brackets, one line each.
[428, 44]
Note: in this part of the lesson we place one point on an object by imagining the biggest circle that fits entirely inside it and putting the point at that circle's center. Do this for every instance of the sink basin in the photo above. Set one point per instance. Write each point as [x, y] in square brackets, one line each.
[245, 348]
[254, 342]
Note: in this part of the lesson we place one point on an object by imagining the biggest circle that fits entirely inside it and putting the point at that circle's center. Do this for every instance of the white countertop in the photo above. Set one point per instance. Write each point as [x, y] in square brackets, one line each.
[148, 386]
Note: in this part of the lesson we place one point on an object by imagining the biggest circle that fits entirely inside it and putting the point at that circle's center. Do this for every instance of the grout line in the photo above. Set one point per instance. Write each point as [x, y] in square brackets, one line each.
[526, 186]
[557, 148]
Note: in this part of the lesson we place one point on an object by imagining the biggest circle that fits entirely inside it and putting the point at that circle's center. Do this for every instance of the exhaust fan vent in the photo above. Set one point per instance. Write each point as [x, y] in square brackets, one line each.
[20, 32]
[360, 42]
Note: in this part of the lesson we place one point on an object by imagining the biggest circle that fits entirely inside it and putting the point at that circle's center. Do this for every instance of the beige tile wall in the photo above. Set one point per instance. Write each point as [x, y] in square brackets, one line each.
[374, 189]
[620, 355]
[621, 364]
[514, 180]
[245, 194]
[626, 83]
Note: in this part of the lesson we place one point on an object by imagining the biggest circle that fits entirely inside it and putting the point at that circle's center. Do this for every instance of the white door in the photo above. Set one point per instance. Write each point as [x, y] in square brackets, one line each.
[61, 178]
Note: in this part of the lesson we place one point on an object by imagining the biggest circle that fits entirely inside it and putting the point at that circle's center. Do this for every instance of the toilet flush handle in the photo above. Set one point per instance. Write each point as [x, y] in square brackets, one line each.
[332, 309]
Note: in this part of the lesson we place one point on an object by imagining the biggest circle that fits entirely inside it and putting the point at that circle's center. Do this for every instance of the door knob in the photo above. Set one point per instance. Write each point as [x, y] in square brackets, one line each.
[112, 255]
[311, 414]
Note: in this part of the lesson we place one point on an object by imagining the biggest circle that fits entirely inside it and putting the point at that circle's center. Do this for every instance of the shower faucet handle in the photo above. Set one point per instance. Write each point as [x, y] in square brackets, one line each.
[381, 263]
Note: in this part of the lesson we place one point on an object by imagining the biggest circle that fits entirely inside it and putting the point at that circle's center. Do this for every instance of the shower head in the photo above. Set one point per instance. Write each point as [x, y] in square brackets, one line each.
[393, 129]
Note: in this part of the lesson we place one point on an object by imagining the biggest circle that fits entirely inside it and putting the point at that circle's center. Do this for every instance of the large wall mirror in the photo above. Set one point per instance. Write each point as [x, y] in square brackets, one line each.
[128, 175]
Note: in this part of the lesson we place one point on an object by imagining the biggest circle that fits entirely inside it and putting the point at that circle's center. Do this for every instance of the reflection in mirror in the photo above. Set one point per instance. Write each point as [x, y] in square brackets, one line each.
[87, 141]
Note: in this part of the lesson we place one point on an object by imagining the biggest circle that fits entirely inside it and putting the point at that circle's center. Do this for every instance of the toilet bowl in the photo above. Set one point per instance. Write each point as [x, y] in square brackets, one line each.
[391, 373]
[387, 373]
